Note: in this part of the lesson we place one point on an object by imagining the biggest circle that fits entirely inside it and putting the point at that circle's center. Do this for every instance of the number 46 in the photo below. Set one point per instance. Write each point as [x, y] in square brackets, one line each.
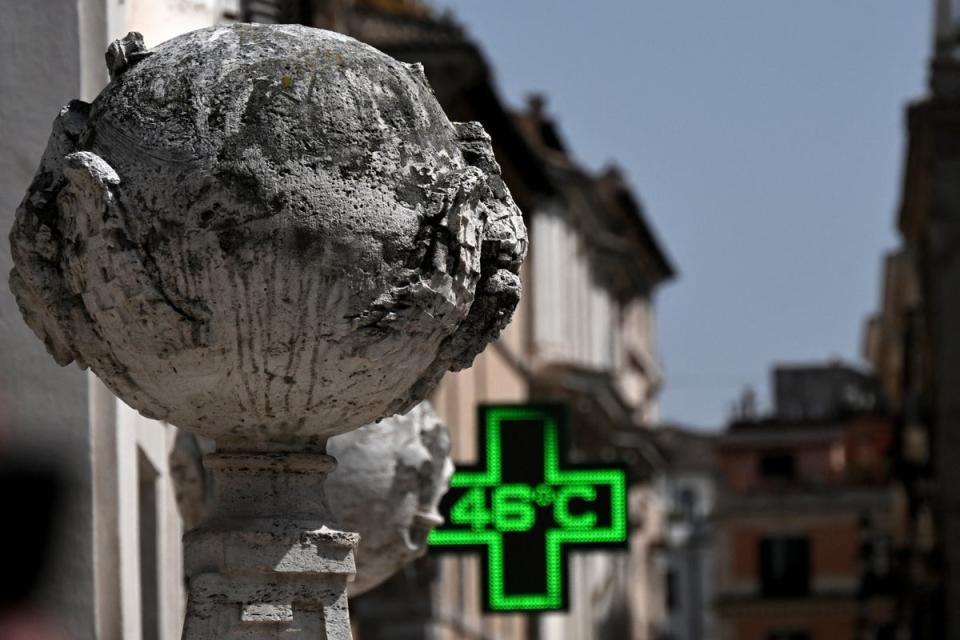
[513, 509]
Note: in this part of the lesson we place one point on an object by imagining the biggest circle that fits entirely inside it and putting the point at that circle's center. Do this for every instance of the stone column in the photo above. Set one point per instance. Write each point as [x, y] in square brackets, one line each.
[269, 236]
[265, 559]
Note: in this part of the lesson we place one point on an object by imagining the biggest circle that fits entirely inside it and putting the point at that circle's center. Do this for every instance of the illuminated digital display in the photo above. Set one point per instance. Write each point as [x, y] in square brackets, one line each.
[524, 508]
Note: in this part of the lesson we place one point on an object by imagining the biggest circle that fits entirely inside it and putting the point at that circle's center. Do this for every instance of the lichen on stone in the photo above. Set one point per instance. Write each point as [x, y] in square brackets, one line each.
[266, 231]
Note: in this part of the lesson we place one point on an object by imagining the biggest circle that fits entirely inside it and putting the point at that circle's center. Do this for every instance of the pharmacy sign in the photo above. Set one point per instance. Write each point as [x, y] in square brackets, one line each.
[524, 507]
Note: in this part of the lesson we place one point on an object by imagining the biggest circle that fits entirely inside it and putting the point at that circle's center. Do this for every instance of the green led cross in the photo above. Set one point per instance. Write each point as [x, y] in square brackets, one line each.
[527, 510]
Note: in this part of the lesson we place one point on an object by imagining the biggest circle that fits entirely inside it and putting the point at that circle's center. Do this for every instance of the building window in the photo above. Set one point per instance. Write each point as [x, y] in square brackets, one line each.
[876, 554]
[671, 587]
[778, 466]
[275, 11]
[687, 502]
[784, 567]
[788, 635]
[148, 517]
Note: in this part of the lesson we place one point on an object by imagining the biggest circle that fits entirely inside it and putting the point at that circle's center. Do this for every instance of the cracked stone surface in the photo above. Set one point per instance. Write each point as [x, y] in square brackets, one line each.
[266, 232]
[387, 487]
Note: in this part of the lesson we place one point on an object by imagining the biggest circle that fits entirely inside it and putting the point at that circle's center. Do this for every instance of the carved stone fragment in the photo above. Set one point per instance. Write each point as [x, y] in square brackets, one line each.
[387, 487]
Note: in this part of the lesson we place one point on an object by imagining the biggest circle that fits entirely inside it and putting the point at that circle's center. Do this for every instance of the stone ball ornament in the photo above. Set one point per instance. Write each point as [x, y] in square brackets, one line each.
[267, 233]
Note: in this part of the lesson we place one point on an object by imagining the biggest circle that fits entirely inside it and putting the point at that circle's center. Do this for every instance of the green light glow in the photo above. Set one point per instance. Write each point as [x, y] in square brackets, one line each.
[512, 508]
[561, 507]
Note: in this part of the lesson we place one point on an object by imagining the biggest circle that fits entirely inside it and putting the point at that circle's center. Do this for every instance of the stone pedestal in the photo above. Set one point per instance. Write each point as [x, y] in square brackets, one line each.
[268, 236]
[265, 561]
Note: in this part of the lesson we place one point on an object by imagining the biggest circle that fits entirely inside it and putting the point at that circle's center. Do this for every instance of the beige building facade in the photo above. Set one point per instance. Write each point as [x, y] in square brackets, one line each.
[584, 334]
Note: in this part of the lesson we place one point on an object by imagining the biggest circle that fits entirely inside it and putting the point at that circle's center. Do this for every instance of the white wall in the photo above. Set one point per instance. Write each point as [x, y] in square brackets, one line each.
[160, 20]
[43, 407]
[689, 558]
[51, 51]
[577, 321]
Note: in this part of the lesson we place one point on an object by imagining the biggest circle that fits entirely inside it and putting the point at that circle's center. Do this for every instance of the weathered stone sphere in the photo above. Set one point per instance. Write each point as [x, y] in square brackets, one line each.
[266, 232]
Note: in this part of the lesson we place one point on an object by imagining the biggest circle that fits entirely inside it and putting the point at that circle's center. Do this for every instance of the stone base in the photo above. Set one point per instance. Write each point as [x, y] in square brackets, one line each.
[255, 574]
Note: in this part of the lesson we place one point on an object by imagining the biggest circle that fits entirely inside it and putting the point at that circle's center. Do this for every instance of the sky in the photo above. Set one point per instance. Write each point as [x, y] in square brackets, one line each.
[765, 140]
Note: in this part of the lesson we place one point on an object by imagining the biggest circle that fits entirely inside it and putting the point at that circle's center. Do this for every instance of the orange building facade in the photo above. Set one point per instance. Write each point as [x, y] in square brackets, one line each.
[805, 529]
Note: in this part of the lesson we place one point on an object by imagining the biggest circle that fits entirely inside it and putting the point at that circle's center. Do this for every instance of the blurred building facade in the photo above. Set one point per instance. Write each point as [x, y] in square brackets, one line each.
[913, 342]
[584, 334]
[805, 520]
[115, 564]
[687, 484]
